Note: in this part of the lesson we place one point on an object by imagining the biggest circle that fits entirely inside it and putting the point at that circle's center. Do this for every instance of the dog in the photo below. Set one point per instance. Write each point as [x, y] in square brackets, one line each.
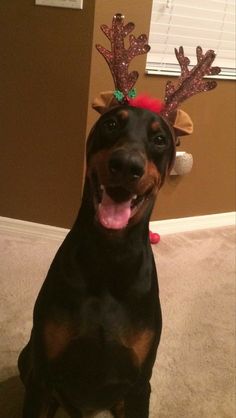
[97, 319]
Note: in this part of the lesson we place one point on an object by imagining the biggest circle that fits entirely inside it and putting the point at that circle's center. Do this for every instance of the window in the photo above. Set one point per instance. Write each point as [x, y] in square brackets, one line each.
[208, 23]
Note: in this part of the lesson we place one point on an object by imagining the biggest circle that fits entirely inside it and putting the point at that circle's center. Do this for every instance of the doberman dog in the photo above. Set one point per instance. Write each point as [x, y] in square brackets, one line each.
[97, 319]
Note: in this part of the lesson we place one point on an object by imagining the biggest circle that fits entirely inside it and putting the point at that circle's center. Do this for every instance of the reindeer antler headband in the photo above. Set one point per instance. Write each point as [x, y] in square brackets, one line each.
[191, 81]
[118, 58]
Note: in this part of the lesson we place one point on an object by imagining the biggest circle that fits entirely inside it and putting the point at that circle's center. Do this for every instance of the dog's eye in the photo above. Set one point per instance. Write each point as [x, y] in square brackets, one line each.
[160, 140]
[110, 125]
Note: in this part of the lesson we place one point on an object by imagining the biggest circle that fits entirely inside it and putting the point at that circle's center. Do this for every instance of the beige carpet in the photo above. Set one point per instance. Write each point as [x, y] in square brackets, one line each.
[194, 372]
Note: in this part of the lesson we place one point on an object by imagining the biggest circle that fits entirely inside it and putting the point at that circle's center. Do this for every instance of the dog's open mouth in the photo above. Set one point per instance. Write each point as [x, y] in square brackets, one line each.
[116, 206]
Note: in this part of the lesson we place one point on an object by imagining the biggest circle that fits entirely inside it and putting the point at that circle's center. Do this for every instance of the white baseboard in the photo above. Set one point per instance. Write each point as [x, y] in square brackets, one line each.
[169, 226]
[25, 228]
[193, 223]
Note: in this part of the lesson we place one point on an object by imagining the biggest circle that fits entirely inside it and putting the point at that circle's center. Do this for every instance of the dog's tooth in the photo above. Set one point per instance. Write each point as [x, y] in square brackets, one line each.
[135, 197]
[102, 187]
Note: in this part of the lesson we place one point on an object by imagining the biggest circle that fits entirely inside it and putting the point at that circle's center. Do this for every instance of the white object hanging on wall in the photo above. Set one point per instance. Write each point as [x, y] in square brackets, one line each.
[71, 4]
[183, 164]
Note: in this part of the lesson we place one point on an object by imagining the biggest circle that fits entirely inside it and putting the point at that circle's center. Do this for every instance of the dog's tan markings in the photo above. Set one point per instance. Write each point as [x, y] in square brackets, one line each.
[119, 410]
[140, 344]
[155, 126]
[123, 114]
[150, 180]
[152, 170]
[153, 174]
[56, 338]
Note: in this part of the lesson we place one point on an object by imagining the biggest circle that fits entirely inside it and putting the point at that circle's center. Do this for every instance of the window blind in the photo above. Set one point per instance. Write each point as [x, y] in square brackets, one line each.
[208, 23]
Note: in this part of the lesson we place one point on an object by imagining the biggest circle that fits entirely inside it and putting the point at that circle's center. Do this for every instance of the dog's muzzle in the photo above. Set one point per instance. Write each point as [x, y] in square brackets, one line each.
[124, 191]
[126, 166]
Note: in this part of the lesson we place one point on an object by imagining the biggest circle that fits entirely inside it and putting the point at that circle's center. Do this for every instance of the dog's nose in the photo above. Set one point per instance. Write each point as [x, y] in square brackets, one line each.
[129, 164]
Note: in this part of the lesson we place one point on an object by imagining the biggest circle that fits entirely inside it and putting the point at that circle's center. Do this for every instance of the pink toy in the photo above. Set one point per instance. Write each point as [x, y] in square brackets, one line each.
[154, 237]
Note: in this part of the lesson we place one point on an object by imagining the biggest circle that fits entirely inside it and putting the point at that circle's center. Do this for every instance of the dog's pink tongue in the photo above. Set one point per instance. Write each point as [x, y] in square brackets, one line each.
[114, 215]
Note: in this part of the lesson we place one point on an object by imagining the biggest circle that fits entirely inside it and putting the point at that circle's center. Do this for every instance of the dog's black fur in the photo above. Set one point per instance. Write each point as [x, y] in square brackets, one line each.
[97, 319]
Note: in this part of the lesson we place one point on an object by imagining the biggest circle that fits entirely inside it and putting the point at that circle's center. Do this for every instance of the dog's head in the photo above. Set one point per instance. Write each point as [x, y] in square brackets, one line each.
[129, 153]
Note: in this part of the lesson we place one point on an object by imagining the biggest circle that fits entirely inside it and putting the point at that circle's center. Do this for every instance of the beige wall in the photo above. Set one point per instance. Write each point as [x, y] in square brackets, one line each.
[44, 82]
[46, 85]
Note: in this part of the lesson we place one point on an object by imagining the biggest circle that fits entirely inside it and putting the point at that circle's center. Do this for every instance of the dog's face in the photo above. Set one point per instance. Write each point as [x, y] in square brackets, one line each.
[129, 152]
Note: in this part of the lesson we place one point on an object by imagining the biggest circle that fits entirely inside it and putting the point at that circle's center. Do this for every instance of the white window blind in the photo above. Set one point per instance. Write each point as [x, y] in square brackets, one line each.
[189, 23]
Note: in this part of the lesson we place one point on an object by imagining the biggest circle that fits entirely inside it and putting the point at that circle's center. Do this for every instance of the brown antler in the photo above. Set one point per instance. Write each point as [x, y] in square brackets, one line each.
[119, 58]
[191, 81]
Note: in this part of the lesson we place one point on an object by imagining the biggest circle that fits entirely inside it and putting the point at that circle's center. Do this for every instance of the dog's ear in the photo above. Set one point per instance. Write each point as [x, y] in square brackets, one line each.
[182, 124]
[104, 102]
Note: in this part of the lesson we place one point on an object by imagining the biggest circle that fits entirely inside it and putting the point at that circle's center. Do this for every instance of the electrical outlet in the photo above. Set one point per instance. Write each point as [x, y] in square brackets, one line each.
[71, 4]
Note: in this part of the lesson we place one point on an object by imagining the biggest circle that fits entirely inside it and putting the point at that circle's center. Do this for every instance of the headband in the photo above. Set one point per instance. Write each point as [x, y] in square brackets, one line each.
[190, 82]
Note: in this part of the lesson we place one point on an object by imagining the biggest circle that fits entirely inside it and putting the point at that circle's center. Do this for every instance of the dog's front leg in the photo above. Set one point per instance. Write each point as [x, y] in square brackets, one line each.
[37, 404]
[136, 404]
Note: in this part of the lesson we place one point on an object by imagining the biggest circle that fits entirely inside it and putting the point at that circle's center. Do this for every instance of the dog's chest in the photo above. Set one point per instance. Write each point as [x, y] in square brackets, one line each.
[102, 328]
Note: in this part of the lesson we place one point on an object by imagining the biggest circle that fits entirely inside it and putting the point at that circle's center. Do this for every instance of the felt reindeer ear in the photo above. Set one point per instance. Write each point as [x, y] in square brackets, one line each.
[181, 123]
[104, 102]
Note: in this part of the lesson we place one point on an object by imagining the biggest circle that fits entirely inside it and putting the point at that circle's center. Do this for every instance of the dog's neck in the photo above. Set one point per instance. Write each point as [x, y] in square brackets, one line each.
[119, 260]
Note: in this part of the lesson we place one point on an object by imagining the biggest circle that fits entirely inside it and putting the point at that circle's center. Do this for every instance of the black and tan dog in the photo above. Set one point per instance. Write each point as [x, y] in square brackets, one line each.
[97, 319]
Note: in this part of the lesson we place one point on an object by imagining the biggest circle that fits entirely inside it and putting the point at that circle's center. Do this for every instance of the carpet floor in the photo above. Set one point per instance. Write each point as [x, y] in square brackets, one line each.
[195, 368]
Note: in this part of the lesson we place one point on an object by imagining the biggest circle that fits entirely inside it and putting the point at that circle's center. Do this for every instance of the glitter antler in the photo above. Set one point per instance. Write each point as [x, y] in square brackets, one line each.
[119, 57]
[191, 81]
